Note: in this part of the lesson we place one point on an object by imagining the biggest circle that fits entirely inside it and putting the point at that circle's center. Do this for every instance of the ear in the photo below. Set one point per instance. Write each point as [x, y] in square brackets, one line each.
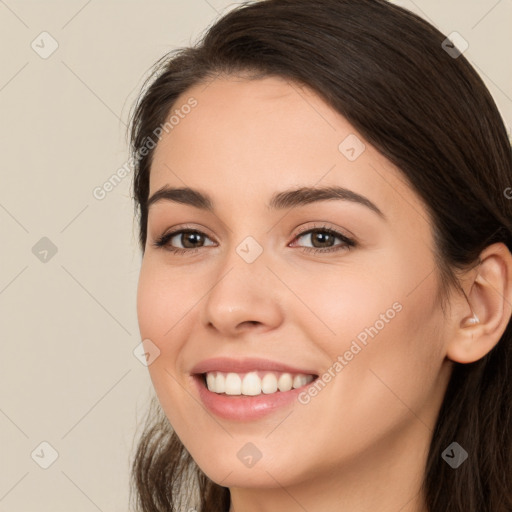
[479, 326]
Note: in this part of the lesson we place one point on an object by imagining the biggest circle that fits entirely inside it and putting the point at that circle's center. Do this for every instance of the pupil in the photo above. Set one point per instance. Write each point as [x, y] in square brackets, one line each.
[191, 238]
[323, 238]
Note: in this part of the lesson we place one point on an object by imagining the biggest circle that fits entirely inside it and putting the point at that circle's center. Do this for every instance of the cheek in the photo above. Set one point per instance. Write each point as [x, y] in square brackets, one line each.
[159, 310]
[384, 322]
[340, 301]
[165, 305]
[162, 301]
[397, 369]
[149, 304]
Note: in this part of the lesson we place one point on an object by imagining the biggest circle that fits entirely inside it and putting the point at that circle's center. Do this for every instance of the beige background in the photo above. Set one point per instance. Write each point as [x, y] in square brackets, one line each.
[68, 375]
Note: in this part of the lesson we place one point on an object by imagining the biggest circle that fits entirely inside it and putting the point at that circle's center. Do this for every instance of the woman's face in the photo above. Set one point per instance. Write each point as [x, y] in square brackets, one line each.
[267, 273]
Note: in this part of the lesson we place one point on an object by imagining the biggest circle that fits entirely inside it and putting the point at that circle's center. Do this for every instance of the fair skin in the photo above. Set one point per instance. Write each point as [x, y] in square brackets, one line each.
[363, 440]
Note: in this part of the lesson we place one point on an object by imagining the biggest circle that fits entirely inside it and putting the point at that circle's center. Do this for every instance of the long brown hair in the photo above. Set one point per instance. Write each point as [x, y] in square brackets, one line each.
[388, 73]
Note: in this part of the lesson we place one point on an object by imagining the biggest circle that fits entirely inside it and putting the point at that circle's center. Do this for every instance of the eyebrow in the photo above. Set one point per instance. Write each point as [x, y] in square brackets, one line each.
[279, 201]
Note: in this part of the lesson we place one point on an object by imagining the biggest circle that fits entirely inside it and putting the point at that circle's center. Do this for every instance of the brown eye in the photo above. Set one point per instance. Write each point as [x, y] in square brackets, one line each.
[190, 239]
[324, 240]
[321, 239]
[183, 240]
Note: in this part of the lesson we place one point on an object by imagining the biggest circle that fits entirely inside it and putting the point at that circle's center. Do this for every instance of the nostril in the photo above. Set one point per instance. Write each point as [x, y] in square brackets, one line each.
[248, 324]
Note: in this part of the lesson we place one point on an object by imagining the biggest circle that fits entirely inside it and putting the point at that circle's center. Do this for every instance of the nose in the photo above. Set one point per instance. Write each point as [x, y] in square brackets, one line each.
[243, 297]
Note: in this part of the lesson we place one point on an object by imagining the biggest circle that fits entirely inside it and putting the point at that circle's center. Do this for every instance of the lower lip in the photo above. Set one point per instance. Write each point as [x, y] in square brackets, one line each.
[242, 407]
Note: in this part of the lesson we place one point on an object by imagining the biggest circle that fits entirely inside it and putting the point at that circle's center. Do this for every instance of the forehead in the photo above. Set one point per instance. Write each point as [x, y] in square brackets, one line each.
[259, 136]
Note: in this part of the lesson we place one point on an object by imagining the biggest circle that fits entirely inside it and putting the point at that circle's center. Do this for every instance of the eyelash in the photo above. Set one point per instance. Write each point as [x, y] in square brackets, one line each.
[162, 241]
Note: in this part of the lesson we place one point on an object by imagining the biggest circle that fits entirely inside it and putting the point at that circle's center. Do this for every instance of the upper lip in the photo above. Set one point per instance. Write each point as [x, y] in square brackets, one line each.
[226, 365]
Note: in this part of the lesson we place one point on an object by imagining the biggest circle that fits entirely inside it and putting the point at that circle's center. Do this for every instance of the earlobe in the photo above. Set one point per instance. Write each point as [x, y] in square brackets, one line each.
[490, 307]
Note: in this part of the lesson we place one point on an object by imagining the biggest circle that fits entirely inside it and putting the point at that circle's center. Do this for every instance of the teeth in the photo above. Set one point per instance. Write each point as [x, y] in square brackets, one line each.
[254, 383]
[299, 380]
[233, 384]
[285, 382]
[251, 384]
[220, 383]
[269, 383]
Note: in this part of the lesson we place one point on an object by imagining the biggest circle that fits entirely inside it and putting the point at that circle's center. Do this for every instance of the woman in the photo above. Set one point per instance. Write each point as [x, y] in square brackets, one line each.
[326, 283]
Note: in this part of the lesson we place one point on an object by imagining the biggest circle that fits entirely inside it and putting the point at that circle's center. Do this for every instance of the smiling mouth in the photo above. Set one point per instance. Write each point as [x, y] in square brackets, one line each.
[254, 383]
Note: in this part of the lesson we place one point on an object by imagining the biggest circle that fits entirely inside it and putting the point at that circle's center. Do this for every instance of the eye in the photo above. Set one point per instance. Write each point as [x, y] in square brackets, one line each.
[190, 240]
[323, 239]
